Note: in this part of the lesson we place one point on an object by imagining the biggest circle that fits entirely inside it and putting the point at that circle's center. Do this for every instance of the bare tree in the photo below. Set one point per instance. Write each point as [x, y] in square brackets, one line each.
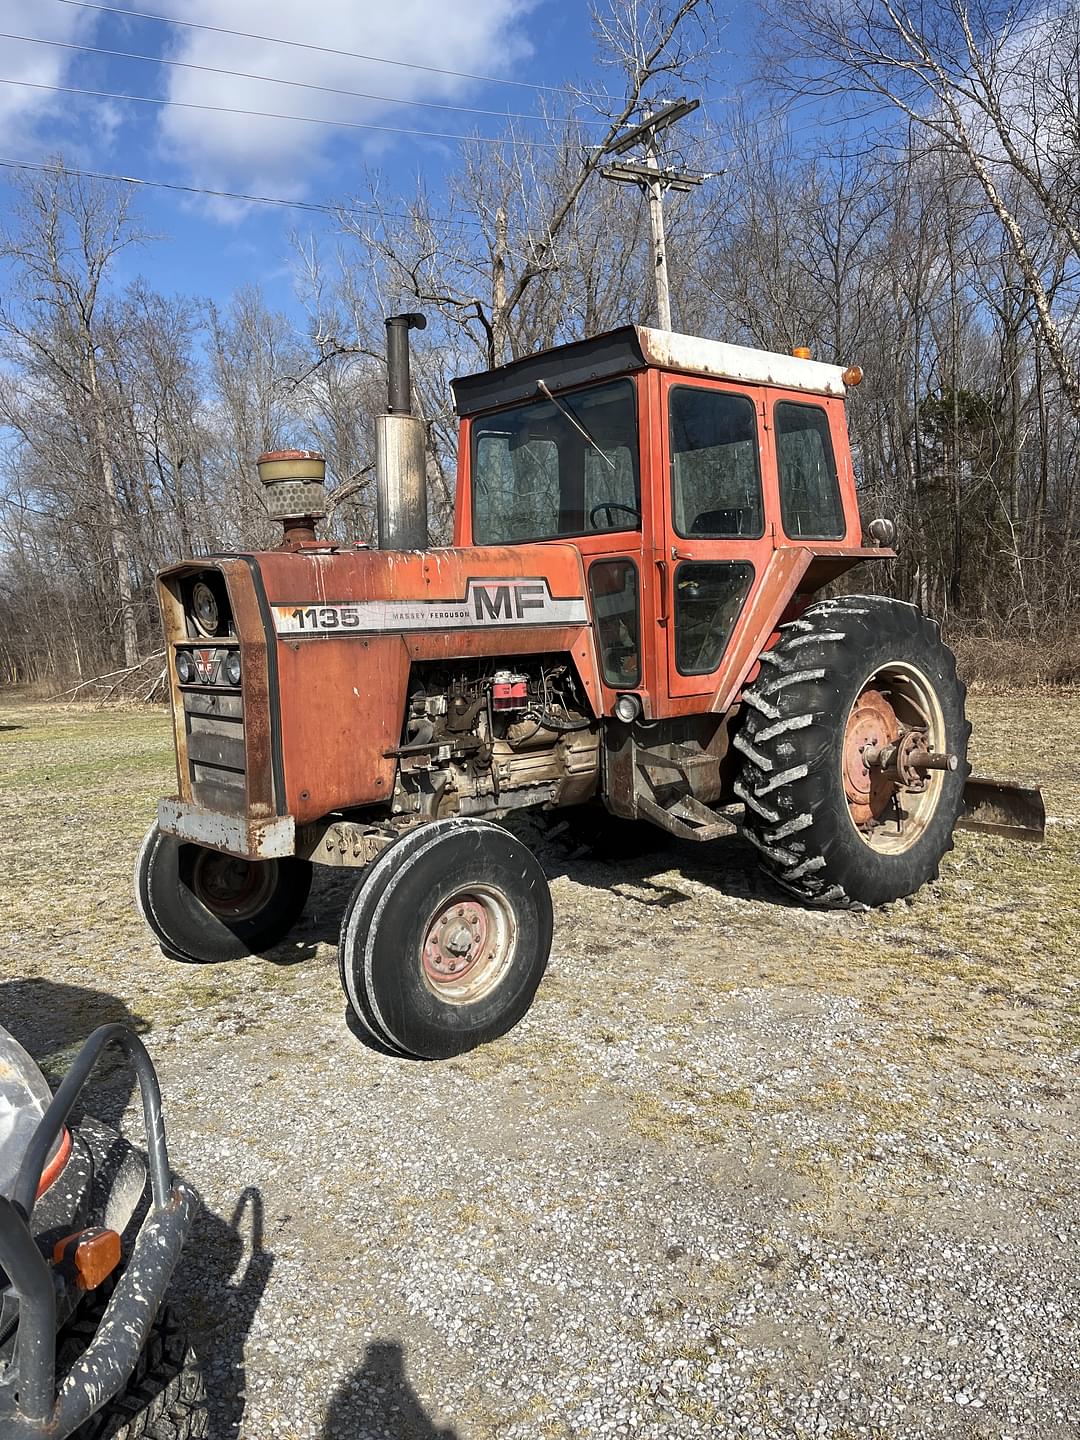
[65, 235]
[993, 84]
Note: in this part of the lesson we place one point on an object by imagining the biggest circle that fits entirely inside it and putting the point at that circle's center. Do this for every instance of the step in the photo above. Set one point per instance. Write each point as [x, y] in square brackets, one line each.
[687, 818]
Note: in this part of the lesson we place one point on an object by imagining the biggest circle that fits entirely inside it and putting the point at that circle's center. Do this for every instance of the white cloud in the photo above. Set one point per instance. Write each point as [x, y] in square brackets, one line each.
[250, 153]
[24, 110]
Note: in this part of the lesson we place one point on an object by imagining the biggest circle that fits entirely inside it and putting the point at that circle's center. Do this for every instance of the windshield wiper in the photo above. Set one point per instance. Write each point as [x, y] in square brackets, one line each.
[542, 386]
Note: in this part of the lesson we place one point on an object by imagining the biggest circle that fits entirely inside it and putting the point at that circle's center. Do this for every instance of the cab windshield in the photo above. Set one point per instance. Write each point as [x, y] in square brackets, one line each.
[553, 467]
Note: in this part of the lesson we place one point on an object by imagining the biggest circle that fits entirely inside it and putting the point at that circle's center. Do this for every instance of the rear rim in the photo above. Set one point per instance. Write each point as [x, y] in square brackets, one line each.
[896, 705]
[232, 888]
[468, 945]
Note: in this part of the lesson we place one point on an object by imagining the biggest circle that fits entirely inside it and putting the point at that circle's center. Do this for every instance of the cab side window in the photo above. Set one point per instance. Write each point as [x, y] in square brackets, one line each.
[714, 465]
[810, 504]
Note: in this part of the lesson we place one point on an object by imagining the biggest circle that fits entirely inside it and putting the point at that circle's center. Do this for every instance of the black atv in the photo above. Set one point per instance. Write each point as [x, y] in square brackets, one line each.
[87, 1348]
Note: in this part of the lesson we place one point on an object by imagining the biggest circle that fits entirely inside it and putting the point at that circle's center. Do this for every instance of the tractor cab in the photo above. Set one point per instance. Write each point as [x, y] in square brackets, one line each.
[700, 482]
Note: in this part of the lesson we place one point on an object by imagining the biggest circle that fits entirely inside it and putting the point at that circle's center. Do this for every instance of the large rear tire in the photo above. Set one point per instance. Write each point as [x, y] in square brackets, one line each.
[447, 938]
[850, 677]
[208, 907]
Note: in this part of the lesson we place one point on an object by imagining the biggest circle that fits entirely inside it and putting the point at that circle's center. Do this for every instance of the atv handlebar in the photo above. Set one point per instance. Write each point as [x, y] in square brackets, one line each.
[130, 1313]
[55, 1117]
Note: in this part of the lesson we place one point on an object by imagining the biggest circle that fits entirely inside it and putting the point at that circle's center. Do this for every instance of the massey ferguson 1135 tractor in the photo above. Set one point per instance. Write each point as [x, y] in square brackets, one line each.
[626, 619]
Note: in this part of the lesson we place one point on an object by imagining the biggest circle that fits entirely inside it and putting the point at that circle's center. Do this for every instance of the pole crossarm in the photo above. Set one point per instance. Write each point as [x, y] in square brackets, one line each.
[645, 175]
[646, 129]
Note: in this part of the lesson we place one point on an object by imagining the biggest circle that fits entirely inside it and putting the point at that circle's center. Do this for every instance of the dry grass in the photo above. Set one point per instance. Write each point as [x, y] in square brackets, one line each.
[996, 665]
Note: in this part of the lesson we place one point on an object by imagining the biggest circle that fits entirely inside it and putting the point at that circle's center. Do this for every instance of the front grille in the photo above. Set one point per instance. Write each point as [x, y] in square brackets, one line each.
[215, 748]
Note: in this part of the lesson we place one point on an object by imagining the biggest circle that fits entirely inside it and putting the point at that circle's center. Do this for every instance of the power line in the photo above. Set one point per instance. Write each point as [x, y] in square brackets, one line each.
[321, 206]
[327, 49]
[298, 84]
[275, 115]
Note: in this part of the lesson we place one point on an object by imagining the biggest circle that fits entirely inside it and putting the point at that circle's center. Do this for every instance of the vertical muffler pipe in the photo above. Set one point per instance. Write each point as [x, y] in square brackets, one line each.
[400, 449]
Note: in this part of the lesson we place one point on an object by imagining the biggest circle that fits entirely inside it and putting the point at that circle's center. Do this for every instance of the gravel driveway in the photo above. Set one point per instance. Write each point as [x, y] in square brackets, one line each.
[744, 1170]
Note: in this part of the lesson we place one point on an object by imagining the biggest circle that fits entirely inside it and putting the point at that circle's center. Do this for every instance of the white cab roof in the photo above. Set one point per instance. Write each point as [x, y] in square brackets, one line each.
[689, 353]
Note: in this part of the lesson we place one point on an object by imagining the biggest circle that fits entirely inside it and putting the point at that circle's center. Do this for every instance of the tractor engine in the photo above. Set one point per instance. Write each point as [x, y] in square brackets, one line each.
[484, 737]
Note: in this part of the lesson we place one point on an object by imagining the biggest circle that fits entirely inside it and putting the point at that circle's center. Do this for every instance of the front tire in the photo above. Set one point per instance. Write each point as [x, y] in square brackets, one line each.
[849, 677]
[208, 907]
[164, 1398]
[447, 938]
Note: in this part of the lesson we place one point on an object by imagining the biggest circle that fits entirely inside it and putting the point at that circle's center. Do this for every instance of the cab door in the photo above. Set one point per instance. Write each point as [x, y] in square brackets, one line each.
[718, 525]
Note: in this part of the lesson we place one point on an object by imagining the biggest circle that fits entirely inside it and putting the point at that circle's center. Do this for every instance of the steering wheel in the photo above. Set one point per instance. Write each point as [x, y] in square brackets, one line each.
[610, 506]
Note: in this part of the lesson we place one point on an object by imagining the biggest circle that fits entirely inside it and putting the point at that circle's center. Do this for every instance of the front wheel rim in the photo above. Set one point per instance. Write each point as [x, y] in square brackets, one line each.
[894, 702]
[468, 945]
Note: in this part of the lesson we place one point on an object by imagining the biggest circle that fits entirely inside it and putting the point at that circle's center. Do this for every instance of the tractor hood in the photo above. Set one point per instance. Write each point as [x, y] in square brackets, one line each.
[327, 639]
[479, 588]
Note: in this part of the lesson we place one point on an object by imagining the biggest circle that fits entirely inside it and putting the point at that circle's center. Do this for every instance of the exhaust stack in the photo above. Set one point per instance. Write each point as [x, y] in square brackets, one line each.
[400, 458]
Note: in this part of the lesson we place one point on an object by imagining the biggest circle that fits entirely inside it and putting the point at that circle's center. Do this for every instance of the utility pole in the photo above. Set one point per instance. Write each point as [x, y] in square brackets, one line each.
[653, 180]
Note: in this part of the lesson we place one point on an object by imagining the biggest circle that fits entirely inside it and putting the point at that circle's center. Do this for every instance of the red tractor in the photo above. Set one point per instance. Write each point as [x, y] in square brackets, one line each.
[627, 621]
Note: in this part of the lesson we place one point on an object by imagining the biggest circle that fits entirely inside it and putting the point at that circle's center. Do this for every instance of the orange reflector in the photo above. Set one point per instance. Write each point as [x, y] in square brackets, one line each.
[852, 375]
[802, 352]
[93, 1254]
[56, 1164]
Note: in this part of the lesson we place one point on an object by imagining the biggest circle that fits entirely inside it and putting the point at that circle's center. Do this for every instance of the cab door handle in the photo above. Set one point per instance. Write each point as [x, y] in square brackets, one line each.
[661, 566]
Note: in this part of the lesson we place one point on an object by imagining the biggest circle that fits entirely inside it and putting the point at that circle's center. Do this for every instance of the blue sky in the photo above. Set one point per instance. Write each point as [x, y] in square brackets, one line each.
[209, 247]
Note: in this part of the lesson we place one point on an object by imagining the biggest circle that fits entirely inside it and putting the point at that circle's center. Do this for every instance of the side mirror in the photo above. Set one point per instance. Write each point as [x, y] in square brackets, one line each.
[882, 532]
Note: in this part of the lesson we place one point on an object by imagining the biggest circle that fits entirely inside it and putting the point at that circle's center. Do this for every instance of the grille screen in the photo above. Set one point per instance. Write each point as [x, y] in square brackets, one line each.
[215, 745]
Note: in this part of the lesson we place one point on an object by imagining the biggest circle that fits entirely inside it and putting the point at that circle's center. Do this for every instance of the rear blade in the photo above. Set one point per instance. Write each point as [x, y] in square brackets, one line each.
[1003, 807]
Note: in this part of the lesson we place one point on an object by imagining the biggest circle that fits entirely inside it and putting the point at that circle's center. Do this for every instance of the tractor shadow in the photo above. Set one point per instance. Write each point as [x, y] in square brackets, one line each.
[377, 1400]
[320, 923]
[644, 864]
[640, 863]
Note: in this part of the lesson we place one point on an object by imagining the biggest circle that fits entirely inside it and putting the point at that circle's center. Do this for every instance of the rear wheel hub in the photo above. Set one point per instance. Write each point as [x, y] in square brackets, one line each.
[896, 715]
[871, 725]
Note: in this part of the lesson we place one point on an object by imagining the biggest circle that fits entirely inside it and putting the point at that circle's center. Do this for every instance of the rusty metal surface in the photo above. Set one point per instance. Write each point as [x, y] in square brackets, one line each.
[257, 665]
[345, 844]
[691, 355]
[344, 690]
[1003, 807]
[775, 587]
[256, 839]
[871, 727]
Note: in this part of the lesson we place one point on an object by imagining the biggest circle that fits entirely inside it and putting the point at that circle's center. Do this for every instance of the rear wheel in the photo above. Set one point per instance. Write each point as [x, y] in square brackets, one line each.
[855, 745]
[447, 938]
[206, 906]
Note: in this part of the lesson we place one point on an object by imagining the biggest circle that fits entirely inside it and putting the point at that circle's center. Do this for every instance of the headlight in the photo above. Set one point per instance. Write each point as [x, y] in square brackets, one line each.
[185, 668]
[205, 609]
[232, 667]
[628, 708]
[24, 1098]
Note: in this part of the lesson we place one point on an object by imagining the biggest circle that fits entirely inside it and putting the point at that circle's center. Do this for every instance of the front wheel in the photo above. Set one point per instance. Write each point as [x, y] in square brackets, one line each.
[206, 906]
[447, 938]
[165, 1396]
[855, 745]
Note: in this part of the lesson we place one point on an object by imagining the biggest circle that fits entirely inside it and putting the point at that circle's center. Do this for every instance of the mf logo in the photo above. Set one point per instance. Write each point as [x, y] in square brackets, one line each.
[507, 600]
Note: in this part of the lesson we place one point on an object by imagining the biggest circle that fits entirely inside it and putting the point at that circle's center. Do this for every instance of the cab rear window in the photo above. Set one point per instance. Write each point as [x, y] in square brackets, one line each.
[810, 504]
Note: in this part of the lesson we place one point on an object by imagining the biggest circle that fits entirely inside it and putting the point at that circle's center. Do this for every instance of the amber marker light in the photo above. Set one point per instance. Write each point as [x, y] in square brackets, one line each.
[853, 375]
[802, 352]
[92, 1254]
